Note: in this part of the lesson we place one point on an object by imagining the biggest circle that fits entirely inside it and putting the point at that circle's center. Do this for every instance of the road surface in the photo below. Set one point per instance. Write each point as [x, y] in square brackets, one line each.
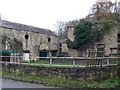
[6, 83]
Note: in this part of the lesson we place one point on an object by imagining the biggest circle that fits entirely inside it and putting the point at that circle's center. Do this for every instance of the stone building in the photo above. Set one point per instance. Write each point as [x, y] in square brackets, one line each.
[108, 43]
[17, 39]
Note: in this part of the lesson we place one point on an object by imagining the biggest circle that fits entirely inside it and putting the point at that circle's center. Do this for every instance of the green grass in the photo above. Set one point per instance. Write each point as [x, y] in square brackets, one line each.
[66, 83]
[45, 61]
[116, 61]
[108, 83]
[40, 62]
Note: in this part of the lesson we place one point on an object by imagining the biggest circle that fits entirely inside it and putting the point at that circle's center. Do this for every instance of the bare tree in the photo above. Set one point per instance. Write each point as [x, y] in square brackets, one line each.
[61, 29]
[102, 9]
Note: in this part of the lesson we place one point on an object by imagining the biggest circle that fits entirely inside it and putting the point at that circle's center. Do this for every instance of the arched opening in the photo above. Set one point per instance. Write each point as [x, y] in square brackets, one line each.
[118, 40]
[11, 48]
[6, 49]
[118, 37]
[43, 53]
[53, 49]
[48, 50]
[43, 50]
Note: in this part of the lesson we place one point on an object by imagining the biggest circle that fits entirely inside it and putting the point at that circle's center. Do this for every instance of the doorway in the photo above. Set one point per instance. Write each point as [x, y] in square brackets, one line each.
[43, 53]
[100, 50]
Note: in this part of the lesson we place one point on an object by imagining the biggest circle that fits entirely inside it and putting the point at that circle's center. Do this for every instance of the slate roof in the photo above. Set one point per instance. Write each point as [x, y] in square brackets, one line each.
[22, 27]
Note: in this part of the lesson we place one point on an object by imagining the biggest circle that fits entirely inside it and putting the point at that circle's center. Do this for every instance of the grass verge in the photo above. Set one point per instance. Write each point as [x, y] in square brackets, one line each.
[41, 62]
[65, 83]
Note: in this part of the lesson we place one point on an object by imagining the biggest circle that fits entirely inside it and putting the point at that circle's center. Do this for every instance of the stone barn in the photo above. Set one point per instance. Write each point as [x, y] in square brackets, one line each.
[21, 40]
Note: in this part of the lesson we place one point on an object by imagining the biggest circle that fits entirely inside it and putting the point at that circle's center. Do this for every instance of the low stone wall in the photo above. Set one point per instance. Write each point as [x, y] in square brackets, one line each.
[94, 73]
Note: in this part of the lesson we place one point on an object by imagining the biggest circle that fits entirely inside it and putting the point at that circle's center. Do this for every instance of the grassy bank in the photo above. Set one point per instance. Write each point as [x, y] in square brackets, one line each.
[60, 82]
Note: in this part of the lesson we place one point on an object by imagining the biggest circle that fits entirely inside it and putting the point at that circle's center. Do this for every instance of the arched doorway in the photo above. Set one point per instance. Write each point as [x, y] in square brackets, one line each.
[43, 50]
[6, 49]
[43, 53]
[11, 48]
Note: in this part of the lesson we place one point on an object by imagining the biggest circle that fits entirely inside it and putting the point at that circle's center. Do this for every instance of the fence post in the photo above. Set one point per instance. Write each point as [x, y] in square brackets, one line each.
[88, 62]
[11, 58]
[50, 59]
[74, 61]
[17, 58]
[108, 62]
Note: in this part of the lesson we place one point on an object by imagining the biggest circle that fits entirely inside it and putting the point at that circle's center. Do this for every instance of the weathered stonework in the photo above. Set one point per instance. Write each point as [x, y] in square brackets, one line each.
[78, 73]
[110, 40]
[64, 47]
[35, 43]
[70, 34]
[70, 31]
[73, 52]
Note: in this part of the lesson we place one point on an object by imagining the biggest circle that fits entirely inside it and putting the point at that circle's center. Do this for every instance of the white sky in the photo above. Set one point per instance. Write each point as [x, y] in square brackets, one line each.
[44, 13]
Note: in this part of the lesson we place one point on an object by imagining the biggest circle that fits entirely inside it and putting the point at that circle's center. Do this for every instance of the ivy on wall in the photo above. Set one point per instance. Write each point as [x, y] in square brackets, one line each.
[87, 32]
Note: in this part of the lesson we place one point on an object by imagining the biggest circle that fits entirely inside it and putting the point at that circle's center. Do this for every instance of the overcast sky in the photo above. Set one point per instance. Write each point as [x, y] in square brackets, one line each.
[44, 13]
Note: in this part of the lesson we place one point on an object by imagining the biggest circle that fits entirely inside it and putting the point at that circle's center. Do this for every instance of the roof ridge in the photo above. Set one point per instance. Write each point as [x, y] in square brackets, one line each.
[19, 26]
[25, 25]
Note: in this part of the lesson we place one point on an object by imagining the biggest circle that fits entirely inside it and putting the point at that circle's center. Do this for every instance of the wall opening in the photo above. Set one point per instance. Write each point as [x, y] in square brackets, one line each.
[43, 53]
[100, 50]
[118, 37]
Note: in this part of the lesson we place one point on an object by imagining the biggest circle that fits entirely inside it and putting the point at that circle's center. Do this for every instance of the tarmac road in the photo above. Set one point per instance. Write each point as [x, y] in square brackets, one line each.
[6, 83]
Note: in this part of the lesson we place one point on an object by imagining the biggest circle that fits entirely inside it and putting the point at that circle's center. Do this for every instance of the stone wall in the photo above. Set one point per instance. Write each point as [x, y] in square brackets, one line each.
[70, 31]
[73, 52]
[94, 73]
[110, 40]
[64, 47]
[35, 41]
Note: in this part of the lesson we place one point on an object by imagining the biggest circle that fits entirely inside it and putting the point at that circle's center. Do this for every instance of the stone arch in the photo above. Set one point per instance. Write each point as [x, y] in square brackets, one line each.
[43, 50]
[43, 47]
[53, 46]
[47, 49]
[54, 49]
[6, 43]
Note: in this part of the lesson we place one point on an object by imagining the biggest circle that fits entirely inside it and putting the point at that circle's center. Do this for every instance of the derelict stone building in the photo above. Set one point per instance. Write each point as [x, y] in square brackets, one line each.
[17, 39]
[106, 45]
